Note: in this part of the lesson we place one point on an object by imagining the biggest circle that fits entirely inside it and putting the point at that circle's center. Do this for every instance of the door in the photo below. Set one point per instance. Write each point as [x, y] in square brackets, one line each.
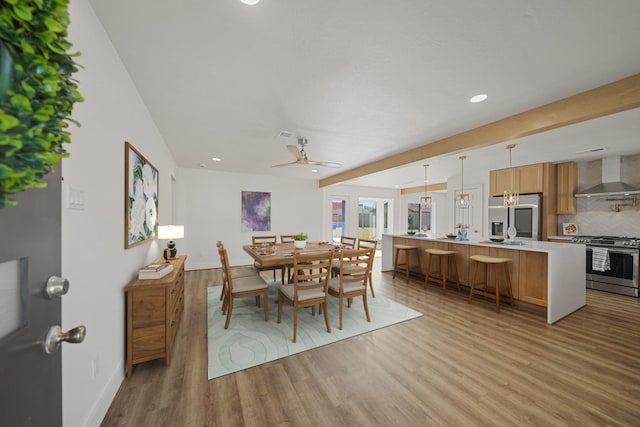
[30, 378]
[367, 219]
[338, 217]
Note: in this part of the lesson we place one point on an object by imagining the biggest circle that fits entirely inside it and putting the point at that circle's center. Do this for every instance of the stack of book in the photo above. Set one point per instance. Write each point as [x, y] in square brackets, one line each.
[154, 271]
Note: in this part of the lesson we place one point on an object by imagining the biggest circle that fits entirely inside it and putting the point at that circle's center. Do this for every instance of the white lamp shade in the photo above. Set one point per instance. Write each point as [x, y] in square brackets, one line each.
[170, 232]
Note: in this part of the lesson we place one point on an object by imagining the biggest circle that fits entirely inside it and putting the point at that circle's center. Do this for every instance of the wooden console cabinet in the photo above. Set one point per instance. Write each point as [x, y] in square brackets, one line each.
[154, 308]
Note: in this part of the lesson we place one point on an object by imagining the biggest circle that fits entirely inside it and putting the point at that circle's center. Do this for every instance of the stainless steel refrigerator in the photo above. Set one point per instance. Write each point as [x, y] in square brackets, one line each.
[525, 217]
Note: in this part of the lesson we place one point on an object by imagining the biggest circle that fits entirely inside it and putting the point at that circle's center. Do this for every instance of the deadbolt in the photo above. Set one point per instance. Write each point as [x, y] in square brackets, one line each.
[56, 287]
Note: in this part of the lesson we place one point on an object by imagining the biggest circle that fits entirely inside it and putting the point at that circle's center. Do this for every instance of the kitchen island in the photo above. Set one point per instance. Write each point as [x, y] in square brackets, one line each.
[547, 274]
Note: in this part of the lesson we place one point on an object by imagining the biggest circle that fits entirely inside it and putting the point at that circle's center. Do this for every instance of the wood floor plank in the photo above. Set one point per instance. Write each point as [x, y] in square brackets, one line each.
[459, 364]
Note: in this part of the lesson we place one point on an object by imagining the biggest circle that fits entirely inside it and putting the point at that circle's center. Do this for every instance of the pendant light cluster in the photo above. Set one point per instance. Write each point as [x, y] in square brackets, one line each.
[510, 197]
[462, 199]
[425, 201]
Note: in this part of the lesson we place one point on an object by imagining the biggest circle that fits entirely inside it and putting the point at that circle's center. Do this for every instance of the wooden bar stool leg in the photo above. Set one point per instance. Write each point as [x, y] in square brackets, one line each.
[508, 276]
[395, 265]
[473, 281]
[496, 272]
[443, 273]
[455, 270]
[486, 279]
[407, 265]
[426, 278]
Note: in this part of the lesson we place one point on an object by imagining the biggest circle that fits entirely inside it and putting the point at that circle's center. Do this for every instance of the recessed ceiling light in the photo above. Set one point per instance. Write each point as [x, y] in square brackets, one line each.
[250, 2]
[478, 98]
[314, 170]
[216, 159]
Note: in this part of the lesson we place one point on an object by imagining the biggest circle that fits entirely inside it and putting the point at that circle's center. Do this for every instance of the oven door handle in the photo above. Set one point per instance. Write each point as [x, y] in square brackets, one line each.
[617, 251]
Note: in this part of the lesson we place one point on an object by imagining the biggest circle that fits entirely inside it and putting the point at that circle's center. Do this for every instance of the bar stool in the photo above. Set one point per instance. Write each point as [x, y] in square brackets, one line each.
[447, 259]
[406, 265]
[488, 261]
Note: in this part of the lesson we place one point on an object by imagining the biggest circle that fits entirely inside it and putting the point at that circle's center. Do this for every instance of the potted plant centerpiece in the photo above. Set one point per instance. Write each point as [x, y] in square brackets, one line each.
[300, 240]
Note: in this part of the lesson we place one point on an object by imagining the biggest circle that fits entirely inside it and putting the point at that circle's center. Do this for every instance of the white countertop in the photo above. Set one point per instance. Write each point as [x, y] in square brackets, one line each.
[529, 245]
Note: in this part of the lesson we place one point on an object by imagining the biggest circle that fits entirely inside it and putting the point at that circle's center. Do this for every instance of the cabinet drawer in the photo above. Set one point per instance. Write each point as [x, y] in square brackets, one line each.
[148, 342]
[148, 308]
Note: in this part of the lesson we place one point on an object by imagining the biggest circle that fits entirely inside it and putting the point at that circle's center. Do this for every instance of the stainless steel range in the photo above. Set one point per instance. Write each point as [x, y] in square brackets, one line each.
[620, 273]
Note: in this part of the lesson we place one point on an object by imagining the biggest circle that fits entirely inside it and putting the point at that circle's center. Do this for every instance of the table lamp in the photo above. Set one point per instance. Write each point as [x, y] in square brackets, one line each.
[170, 233]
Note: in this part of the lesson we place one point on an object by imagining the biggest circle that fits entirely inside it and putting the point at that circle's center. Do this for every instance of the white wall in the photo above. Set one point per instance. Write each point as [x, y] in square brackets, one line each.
[212, 212]
[93, 255]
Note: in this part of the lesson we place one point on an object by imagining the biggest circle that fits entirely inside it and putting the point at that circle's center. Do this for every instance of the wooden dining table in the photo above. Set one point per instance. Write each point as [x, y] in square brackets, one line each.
[283, 253]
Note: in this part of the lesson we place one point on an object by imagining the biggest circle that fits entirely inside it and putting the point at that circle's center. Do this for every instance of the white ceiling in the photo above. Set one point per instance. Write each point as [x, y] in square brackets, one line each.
[365, 79]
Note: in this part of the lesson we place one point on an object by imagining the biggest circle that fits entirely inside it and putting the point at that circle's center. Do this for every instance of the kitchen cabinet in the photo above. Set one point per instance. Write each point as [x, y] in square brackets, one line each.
[532, 285]
[526, 179]
[154, 308]
[567, 178]
[537, 178]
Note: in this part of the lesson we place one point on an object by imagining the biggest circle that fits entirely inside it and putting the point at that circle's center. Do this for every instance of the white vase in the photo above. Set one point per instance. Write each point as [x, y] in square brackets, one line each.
[299, 244]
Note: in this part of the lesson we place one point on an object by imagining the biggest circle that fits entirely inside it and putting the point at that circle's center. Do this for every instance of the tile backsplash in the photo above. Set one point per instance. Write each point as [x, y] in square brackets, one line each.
[597, 216]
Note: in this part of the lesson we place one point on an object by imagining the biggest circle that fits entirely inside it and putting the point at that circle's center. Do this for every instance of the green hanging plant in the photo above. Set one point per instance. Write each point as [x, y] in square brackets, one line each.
[37, 92]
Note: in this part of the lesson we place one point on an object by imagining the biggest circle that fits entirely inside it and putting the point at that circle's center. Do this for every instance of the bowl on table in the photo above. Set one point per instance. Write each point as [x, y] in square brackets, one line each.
[411, 233]
[496, 239]
[451, 236]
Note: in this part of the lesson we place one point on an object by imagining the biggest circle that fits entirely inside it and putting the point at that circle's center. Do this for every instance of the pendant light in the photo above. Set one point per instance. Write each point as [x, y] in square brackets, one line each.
[425, 201]
[462, 199]
[510, 197]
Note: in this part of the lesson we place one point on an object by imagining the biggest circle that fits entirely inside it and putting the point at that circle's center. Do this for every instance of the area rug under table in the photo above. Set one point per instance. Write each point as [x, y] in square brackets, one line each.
[250, 341]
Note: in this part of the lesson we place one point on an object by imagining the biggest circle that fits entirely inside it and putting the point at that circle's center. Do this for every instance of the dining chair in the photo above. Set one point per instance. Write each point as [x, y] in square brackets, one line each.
[346, 242]
[286, 238]
[236, 271]
[242, 287]
[355, 267]
[268, 240]
[369, 244]
[309, 288]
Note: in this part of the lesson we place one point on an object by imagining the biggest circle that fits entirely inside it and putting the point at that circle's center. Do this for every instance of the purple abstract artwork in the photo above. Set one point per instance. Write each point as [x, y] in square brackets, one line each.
[256, 211]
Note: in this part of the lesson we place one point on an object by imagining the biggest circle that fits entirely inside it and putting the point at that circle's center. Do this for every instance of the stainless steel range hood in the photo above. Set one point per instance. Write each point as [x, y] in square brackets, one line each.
[612, 184]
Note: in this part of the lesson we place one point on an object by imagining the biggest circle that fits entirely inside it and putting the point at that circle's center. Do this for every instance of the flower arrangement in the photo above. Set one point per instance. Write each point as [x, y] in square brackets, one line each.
[300, 236]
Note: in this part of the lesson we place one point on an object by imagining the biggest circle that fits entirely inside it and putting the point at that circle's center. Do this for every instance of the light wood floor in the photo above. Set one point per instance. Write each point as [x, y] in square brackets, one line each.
[458, 365]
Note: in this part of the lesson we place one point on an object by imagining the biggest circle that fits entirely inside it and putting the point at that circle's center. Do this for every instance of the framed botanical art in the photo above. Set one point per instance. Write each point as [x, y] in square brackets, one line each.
[140, 198]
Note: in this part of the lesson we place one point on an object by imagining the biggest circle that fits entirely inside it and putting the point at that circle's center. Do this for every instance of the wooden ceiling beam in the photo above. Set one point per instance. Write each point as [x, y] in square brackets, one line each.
[438, 186]
[611, 98]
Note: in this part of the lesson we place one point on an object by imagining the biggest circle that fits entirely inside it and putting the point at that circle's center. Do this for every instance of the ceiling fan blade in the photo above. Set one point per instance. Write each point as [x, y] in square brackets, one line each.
[327, 164]
[295, 151]
[285, 164]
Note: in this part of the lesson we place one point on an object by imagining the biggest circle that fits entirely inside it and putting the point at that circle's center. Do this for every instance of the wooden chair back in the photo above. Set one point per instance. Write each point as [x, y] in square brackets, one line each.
[316, 278]
[348, 242]
[226, 269]
[367, 243]
[355, 266]
[286, 238]
[260, 240]
[373, 245]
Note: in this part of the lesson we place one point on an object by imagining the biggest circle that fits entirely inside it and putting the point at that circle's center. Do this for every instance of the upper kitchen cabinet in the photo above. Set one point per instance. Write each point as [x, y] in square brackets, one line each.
[537, 178]
[527, 179]
[567, 177]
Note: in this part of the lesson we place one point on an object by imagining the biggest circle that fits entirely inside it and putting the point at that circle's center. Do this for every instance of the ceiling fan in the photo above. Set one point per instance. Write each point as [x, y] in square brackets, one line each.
[301, 156]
